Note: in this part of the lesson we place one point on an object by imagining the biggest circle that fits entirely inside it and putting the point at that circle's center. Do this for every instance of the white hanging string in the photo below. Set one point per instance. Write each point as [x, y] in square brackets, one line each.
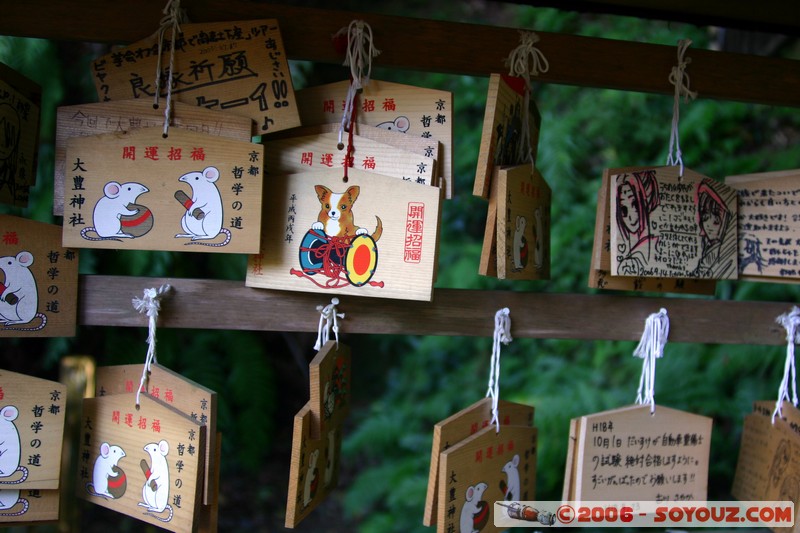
[650, 348]
[524, 61]
[502, 334]
[327, 322]
[171, 19]
[360, 51]
[680, 80]
[790, 321]
[150, 305]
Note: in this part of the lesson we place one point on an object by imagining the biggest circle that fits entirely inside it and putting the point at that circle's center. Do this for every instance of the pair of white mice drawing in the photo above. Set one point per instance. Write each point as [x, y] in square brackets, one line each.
[473, 503]
[201, 221]
[520, 250]
[155, 491]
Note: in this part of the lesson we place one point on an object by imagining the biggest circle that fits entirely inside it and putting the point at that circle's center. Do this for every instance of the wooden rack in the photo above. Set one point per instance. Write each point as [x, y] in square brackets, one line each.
[448, 47]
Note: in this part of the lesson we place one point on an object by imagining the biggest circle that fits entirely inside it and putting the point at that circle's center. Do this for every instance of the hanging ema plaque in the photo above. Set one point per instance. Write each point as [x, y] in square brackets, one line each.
[769, 228]
[600, 270]
[239, 67]
[119, 116]
[414, 111]
[629, 454]
[486, 467]
[20, 102]
[38, 280]
[523, 223]
[369, 236]
[144, 461]
[460, 426]
[32, 415]
[666, 225]
[317, 436]
[502, 130]
[141, 191]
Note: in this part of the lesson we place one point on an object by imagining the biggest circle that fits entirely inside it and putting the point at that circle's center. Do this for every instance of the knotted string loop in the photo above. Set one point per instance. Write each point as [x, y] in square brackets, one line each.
[502, 335]
[790, 322]
[150, 305]
[679, 78]
[360, 51]
[173, 16]
[327, 322]
[524, 61]
[650, 348]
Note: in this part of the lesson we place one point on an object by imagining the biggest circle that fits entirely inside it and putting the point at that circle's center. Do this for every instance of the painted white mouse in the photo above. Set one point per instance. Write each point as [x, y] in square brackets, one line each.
[512, 488]
[473, 506]
[19, 297]
[400, 124]
[107, 472]
[8, 499]
[109, 210]
[312, 478]
[155, 491]
[520, 251]
[203, 217]
[10, 449]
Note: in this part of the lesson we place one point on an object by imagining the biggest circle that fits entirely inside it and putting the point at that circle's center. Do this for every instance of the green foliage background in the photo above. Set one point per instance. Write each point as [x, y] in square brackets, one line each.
[402, 385]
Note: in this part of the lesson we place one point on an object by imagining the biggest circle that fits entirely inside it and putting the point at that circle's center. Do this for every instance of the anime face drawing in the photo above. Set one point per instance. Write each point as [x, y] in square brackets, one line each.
[713, 219]
[637, 198]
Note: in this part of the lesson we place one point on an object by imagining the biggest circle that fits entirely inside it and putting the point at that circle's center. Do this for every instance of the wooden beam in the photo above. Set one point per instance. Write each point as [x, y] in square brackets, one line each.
[431, 45]
[775, 16]
[215, 304]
